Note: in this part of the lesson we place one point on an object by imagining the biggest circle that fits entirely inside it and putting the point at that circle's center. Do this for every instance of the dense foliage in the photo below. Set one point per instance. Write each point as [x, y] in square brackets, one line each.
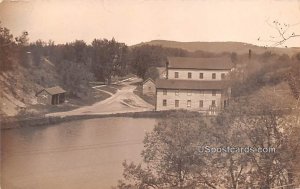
[173, 156]
[11, 49]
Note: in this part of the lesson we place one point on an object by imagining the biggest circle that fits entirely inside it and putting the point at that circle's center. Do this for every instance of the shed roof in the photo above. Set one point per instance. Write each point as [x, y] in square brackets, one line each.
[53, 90]
[217, 63]
[190, 84]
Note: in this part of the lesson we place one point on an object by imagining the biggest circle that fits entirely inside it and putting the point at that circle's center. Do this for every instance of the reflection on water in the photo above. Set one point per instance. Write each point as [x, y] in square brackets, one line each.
[79, 154]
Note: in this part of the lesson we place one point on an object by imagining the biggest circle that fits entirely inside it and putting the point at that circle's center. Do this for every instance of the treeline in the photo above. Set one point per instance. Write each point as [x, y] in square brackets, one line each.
[12, 49]
[103, 58]
[249, 145]
[253, 143]
[79, 63]
[268, 69]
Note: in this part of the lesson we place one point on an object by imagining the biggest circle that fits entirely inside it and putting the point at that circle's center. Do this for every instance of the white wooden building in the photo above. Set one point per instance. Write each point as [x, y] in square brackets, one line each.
[149, 87]
[196, 84]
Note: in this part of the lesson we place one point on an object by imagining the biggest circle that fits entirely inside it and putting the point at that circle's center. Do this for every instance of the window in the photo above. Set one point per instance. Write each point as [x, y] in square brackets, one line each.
[164, 102]
[213, 93]
[213, 103]
[177, 93]
[176, 75]
[189, 75]
[201, 92]
[201, 75]
[176, 103]
[149, 88]
[213, 75]
[189, 103]
[201, 104]
[223, 76]
[164, 92]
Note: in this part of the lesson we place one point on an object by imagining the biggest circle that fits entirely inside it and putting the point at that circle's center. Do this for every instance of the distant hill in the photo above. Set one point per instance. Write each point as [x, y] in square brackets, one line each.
[219, 47]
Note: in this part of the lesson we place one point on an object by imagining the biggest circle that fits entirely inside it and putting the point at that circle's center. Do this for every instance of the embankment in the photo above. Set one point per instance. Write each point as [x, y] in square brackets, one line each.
[10, 123]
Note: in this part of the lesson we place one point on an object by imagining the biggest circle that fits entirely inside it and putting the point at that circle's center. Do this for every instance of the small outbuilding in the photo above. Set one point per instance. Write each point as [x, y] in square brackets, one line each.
[52, 95]
[149, 87]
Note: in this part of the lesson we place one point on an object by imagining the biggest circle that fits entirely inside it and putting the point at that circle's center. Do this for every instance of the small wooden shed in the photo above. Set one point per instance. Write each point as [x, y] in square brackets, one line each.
[52, 96]
[149, 87]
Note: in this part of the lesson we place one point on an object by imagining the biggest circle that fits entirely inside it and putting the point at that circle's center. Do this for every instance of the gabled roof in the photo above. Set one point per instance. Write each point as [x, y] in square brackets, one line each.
[190, 84]
[149, 79]
[52, 90]
[218, 63]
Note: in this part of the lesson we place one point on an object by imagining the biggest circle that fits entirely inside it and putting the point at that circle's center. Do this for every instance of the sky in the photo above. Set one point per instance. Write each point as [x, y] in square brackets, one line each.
[136, 21]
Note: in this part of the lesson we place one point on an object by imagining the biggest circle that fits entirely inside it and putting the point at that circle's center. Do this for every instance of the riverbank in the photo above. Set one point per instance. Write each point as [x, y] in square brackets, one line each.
[11, 123]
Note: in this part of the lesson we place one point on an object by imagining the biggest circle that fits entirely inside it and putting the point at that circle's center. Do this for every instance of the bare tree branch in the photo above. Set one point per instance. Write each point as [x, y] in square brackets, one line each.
[283, 33]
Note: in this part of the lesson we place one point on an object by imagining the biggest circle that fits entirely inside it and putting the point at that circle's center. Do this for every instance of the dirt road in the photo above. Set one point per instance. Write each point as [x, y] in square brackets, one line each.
[124, 100]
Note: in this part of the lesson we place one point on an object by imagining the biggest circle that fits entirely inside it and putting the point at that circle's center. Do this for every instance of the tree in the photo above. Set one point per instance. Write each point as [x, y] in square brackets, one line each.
[265, 120]
[109, 58]
[261, 121]
[171, 156]
[80, 51]
[7, 49]
[37, 51]
[152, 73]
[146, 56]
[283, 33]
[22, 49]
[293, 78]
[75, 77]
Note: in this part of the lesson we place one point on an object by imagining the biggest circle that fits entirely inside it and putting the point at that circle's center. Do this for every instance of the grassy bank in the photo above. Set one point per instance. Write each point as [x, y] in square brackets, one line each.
[139, 92]
[10, 123]
[71, 103]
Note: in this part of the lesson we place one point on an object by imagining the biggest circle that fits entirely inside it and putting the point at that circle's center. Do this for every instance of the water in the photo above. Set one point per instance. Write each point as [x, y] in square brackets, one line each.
[79, 154]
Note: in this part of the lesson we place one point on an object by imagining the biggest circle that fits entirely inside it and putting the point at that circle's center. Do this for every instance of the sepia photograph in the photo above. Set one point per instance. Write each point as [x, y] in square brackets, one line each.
[150, 94]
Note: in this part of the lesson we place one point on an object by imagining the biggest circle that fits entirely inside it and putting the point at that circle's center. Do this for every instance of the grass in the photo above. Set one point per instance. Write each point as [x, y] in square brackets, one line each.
[41, 120]
[139, 92]
[44, 109]
[91, 98]
[70, 104]
[109, 88]
[117, 79]
[117, 86]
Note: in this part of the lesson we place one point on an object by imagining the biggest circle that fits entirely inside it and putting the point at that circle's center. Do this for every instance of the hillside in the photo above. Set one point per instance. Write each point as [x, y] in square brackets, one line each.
[20, 85]
[219, 47]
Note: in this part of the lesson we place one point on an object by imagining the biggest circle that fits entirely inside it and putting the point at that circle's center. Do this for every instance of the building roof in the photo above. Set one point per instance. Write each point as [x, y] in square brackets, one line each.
[218, 63]
[190, 84]
[52, 90]
[149, 79]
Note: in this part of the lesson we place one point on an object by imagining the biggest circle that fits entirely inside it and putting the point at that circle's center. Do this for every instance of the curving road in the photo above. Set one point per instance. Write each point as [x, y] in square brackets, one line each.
[124, 100]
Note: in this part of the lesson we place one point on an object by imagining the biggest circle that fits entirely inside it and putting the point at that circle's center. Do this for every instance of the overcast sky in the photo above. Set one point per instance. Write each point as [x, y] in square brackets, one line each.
[135, 21]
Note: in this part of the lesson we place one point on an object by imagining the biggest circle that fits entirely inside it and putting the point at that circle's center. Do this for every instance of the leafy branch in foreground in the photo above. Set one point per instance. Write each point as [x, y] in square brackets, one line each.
[173, 157]
[170, 158]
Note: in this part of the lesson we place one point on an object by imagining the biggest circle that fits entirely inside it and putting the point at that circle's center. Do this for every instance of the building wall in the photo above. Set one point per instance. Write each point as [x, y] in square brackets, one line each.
[207, 74]
[149, 88]
[44, 98]
[62, 98]
[193, 95]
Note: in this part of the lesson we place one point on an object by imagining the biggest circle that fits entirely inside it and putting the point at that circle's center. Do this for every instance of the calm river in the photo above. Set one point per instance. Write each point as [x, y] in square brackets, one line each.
[72, 155]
